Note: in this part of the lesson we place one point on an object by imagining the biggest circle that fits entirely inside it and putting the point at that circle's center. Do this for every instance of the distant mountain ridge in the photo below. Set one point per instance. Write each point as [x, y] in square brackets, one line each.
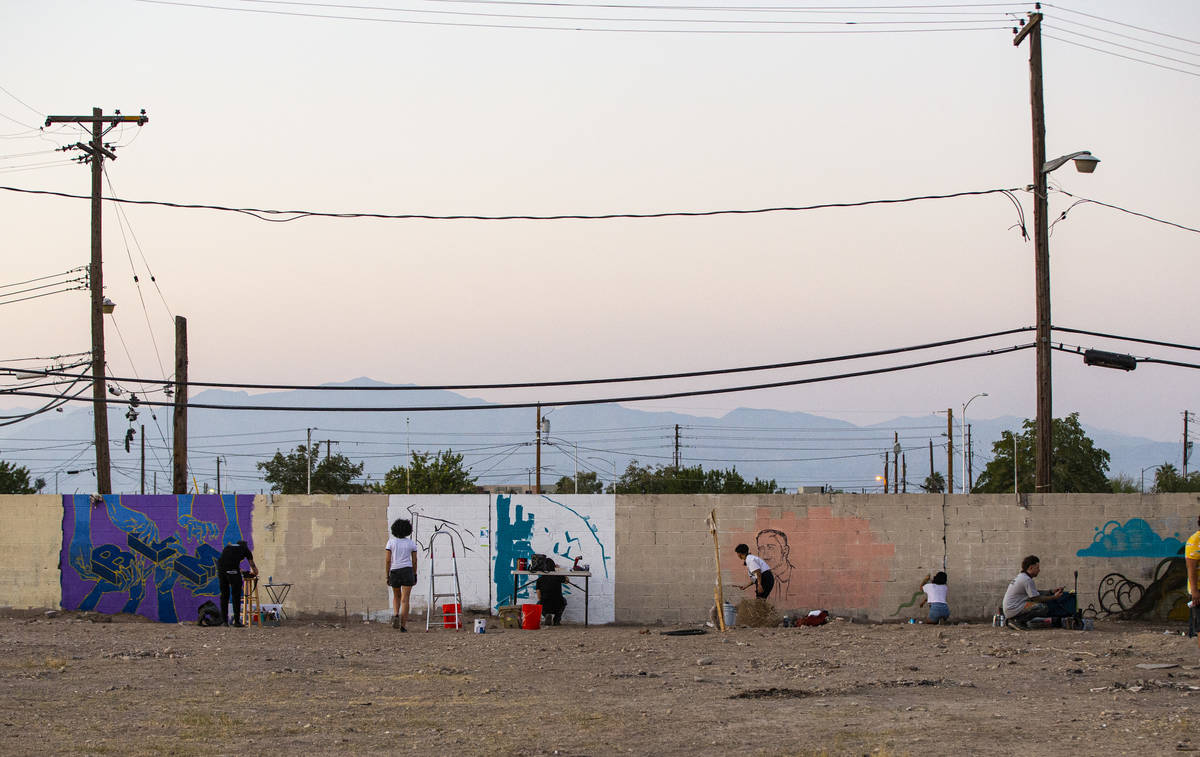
[795, 449]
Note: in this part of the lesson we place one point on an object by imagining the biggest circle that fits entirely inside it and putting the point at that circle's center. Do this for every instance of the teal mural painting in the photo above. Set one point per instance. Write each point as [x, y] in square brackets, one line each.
[514, 534]
[1133, 539]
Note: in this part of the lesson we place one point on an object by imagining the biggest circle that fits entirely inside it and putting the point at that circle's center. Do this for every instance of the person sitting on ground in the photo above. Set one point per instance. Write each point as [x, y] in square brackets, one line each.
[763, 580]
[550, 595]
[935, 593]
[1023, 602]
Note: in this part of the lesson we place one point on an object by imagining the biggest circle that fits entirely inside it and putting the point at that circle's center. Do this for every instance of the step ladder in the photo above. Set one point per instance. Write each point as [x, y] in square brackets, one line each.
[454, 596]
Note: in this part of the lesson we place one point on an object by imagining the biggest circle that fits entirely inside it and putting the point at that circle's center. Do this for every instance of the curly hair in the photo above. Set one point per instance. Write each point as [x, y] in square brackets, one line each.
[401, 527]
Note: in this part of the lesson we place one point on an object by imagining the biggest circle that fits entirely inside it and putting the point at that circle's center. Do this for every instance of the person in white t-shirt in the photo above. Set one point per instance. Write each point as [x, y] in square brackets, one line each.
[936, 592]
[763, 580]
[401, 570]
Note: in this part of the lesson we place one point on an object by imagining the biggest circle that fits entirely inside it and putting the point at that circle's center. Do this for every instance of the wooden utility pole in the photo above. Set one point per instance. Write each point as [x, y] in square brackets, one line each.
[676, 463]
[95, 152]
[949, 450]
[537, 486]
[1041, 261]
[904, 474]
[142, 434]
[218, 475]
[1187, 445]
[970, 461]
[896, 462]
[886, 459]
[931, 459]
[179, 442]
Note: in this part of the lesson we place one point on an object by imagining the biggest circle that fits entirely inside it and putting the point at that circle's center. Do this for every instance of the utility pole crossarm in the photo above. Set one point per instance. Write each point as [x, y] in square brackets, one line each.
[1026, 28]
[114, 119]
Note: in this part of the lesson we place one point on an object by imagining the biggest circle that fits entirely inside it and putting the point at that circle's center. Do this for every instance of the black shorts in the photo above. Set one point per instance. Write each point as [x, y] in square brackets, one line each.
[766, 582]
[1194, 622]
[402, 577]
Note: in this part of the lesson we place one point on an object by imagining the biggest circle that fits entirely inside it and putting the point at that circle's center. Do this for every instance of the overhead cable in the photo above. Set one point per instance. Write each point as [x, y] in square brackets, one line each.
[594, 401]
[575, 382]
[263, 214]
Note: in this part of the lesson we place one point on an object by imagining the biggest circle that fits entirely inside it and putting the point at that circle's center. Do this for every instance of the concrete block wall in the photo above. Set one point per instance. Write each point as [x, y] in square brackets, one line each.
[866, 555]
[29, 547]
[329, 547]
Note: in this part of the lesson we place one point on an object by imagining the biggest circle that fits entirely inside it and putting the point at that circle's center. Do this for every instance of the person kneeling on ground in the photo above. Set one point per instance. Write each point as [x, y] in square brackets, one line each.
[1023, 602]
[763, 579]
[550, 595]
[936, 592]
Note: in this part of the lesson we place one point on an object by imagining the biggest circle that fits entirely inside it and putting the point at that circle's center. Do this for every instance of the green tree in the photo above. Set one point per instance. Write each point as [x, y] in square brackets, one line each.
[667, 479]
[1077, 464]
[429, 473]
[14, 479]
[1168, 479]
[589, 483]
[934, 483]
[288, 474]
[1122, 484]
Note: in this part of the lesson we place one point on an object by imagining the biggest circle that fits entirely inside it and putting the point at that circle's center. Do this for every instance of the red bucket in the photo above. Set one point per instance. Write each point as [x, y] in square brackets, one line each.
[531, 617]
[452, 616]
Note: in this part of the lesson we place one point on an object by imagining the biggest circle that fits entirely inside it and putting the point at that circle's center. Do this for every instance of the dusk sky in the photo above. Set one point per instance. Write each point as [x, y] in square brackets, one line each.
[440, 110]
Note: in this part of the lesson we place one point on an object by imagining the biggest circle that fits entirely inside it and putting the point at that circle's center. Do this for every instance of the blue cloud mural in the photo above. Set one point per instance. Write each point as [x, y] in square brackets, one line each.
[1134, 539]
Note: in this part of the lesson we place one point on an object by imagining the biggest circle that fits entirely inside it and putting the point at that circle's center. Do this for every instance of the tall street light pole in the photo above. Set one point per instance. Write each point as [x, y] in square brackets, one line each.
[1085, 163]
[963, 425]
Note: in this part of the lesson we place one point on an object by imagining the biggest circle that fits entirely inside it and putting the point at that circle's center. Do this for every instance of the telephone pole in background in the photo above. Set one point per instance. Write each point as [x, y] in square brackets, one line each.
[95, 152]
[896, 462]
[1187, 443]
[179, 421]
[949, 450]
[537, 486]
[676, 463]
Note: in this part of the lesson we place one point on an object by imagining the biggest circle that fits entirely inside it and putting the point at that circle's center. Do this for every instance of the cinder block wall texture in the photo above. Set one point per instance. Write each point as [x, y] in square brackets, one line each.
[859, 555]
[866, 555]
[329, 547]
[29, 547]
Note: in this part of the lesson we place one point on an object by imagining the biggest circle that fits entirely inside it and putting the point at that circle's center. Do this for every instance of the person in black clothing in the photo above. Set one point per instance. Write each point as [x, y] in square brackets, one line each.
[229, 571]
[550, 595]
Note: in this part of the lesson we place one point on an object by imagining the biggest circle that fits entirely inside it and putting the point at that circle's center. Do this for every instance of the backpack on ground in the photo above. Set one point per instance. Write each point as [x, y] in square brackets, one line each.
[209, 615]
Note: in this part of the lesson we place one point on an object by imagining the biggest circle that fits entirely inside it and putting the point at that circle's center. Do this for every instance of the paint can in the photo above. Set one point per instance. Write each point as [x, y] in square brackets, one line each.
[522, 563]
[1089, 624]
[480, 625]
[730, 613]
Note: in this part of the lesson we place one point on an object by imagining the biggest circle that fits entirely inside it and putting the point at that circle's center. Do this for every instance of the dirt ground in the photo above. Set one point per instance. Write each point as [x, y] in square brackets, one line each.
[72, 685]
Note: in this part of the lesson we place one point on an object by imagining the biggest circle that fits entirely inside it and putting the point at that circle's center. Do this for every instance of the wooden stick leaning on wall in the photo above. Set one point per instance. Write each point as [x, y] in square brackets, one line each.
[717, 593]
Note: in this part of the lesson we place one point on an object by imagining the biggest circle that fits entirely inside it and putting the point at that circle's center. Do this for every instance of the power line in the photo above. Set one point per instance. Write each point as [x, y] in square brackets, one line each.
[535, 27]
[579, 382]
[1130, 212]
[1119, 55]
[1123, 47]
[262, 213]
[1118, 337]
[597, 401]
[1120, 23]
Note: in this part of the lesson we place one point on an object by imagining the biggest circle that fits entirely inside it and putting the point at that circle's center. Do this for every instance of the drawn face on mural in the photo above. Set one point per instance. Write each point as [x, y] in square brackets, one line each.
[772, 546]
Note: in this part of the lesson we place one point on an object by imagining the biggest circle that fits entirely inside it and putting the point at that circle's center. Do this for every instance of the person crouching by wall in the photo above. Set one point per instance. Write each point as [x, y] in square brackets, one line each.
[1023, 602]
[401, 568]
[550, 595]
[936, 593]
[762, 579]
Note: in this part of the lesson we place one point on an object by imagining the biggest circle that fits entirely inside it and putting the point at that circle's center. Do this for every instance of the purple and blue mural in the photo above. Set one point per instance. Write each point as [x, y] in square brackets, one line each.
[150, 555]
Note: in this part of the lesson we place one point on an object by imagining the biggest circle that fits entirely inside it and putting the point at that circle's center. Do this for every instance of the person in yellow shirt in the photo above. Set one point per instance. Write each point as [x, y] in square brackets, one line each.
[1191, 554]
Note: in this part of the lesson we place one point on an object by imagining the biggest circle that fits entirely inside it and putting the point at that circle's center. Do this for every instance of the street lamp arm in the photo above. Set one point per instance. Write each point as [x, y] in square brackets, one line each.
[1082, 157]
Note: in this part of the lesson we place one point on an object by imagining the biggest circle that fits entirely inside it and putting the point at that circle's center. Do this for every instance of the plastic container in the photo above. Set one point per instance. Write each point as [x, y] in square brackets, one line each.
[730, 615]
[522, 563]
[531, 617]
[452, 616]
[480, 625]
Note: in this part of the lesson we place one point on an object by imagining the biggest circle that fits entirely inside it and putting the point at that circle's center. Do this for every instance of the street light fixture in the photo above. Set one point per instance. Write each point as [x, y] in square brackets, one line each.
[963, 426]
[1142, 485]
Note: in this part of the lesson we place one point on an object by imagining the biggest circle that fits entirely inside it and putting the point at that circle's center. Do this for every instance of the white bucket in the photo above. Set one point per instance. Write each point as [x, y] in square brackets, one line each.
[480, 625]
[730, 615]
